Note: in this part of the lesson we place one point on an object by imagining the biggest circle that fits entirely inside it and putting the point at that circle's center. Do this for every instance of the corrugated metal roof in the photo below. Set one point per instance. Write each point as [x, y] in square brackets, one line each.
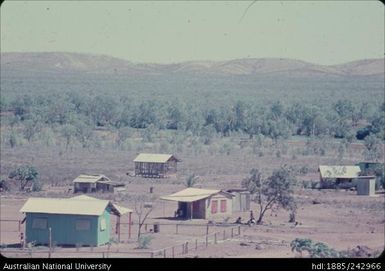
[83, 178]
[153, 157]
[191, 194]
[64, 206]
[121, 210]
[79, 205]
[333, 172]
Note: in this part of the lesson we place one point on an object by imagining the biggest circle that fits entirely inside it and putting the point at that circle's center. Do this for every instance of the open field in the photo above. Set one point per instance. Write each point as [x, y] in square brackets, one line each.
[340, 218]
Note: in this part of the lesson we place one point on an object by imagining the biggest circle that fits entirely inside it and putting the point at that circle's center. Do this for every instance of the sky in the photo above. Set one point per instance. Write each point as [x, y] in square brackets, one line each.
[322, 32]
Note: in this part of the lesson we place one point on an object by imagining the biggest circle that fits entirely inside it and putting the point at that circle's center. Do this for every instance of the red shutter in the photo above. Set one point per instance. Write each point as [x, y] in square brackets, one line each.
[214, 206]
[223, 206]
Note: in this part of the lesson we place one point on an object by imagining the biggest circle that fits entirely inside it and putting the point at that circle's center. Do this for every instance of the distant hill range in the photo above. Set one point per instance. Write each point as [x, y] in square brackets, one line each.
[63, 63]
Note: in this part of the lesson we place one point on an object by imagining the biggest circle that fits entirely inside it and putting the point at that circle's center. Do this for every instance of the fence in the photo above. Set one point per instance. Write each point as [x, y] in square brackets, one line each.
[170, 228]
[194, 244]
[168, 252]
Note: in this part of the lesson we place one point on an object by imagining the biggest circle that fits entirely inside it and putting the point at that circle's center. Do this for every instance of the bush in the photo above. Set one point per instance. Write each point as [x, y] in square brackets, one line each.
[144, 241]
[304, 170]
[37, 186]
[306, 184]
[315, 250]
[315, 184]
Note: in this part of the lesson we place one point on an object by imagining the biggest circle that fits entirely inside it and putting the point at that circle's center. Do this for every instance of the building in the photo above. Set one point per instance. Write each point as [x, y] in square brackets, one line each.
[366, 185]
[196, 203]
[95, 183]
[80, 220]
[338, 174]
[241, 199]
[155, 165]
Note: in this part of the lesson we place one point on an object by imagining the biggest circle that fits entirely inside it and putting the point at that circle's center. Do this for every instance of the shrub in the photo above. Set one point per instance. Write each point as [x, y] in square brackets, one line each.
[144, 241]
[315, 250]
[315, 185]
[306, 184]
[304, 170]
[37, 186]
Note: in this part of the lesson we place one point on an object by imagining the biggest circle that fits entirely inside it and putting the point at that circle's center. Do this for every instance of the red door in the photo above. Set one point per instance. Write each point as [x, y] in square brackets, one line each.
[214, 206]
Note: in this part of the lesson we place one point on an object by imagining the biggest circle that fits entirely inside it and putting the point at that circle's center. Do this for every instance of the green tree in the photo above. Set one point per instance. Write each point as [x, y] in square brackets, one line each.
[24, 174]
[301, 244]
[344, 108]
[31, 128]
[315, 250]
[104, 110]
[68, 131]
[207, 134]
[175, 116]
[191, 180]
[275, 191]
[374, 148]
[12, 139]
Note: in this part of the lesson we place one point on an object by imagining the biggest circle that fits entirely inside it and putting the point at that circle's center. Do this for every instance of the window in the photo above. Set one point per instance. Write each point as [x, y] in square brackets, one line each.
[82, 225]
[103, 225]
[214, 206]
[39, 223]
[223, 206]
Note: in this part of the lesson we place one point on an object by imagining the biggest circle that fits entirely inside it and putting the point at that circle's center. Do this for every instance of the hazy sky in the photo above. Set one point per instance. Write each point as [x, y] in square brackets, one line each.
[327, 32]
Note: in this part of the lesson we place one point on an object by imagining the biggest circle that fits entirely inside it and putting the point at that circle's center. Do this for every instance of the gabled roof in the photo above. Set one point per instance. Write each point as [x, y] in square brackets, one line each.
[192, 194]
[119, 210]
[83, 178]
[154, 158]
[333, 172]
[79, 205]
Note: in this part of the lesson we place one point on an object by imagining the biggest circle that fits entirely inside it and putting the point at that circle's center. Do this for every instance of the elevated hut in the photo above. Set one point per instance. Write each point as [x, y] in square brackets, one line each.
[155, 165]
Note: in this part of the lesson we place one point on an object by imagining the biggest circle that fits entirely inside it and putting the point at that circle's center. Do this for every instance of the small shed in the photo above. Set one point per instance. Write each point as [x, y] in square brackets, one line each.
[196, 203]
[241, 199]
[338, 174]
[73, 221]
[366, 185]
[93, 183]
[155, 165]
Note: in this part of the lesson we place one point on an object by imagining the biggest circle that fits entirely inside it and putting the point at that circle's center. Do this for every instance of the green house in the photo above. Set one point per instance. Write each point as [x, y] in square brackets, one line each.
[80, 220]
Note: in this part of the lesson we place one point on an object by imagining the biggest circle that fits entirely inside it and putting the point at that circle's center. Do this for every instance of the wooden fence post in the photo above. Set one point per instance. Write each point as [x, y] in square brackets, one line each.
[207, 240]
[196, 244]
[232, 232]
[224, 234]
[186, 247]
[50, 242]
[176, 229]
[239, 230]
[182, 248]
[215, 238]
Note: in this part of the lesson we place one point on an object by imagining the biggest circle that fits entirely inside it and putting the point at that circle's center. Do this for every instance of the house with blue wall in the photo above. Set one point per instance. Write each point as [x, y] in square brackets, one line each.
[80, 220]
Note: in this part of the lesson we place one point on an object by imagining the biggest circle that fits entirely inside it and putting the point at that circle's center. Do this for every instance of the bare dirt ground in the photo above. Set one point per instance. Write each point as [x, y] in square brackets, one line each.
[339, 218]
[342, 220]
